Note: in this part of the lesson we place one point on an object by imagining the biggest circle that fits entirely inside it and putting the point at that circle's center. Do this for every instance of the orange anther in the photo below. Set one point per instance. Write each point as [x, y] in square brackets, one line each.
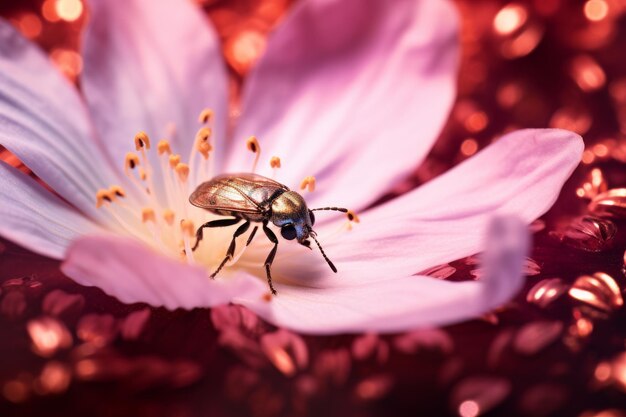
[174, 161]
[204, 148]
[142, 140]
[148, 215]
[182, 170]
[352, 216]
[102, 196]
[206, 116]
[168, 216]
[203, 134]
[275, 162]
[253, 144]
[186, 226]
[308, 183]
[164, 147]
[132, 160]
[116, 191]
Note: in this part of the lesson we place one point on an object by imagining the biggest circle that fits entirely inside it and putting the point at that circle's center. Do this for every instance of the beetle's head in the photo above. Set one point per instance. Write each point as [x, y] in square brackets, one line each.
[291, 214]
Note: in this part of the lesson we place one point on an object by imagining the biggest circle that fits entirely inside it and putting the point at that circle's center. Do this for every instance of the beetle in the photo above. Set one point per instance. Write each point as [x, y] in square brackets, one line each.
[254, 198]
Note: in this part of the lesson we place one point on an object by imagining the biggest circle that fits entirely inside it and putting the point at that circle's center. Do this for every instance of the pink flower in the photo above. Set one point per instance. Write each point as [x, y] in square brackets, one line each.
[354, 94]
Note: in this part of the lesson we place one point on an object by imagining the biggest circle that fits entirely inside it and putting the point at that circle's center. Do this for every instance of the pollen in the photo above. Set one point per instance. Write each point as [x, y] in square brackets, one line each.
[168, 216]
[103, 196]
[182, 170]
[164, 147]
[142, 174]
[116, 191]
[142, 141]
[132, 160]
[352, 216]
[308, 183]
[206, 116]
[148, 215]
[186, 226]
[174, 160]
[275, 162]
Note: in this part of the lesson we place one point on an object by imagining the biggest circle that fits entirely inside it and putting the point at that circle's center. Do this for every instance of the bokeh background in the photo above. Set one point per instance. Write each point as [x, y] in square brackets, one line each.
[558, 349]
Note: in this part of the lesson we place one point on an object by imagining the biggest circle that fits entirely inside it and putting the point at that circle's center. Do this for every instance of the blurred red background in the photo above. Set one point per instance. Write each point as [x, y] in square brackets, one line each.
[534, 63]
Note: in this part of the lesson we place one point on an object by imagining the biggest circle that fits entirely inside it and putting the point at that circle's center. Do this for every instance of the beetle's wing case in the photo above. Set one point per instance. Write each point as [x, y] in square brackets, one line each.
[243, 192]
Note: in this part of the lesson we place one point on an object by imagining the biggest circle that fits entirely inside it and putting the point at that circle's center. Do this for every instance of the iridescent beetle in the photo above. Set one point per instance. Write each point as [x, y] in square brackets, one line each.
[250, 198]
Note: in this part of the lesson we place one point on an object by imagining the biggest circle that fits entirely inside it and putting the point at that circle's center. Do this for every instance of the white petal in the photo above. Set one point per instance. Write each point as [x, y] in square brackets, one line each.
[35, 218]
[44, 123]
[133, 273]
[400, 304]
[353, 92]
[520, 174]
[148, 65]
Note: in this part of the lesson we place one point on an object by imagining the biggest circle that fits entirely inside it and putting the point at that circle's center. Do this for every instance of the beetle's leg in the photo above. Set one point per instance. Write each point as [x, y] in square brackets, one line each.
[270, 258]
[252, 235]
[212, 223]
[231, 249]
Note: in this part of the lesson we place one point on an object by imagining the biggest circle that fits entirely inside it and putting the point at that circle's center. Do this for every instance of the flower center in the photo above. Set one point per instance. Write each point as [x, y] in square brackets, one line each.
[156, 206]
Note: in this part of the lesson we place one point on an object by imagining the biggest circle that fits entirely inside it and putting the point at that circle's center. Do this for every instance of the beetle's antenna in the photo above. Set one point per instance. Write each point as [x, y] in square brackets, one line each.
[343, 210]
[332, 266]
[351, 215]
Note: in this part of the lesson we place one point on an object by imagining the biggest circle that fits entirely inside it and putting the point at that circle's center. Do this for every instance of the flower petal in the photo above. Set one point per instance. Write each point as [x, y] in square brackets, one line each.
[148, 65]
[521, 174]
[35, 218]
[133, 273]
[44, 123]
[350, 88]
[400, 304]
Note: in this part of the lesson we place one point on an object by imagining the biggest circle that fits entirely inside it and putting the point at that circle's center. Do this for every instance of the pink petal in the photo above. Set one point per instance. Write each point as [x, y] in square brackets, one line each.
[44, 123]
[399, 304]
[149, 64]
[521, 174]
[35, 218]
[348, 88]
[133, 273]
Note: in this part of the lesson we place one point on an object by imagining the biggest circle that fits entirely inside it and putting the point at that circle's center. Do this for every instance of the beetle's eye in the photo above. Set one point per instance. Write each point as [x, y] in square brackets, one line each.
[312, 216]
[288, 232]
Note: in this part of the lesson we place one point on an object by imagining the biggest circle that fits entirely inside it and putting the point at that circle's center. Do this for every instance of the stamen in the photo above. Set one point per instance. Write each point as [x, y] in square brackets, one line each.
[182, 170]
[142, 140]
[117, 191]
[186, 226]
[187, 229]
[132, 160]
[206, 116]
[174, 160]
[308, 182]
[203, 134]
[142, 174]
[253, 146]
[168, 216]
[148, 215]
[164, 147]
[103, 196]
[204, 148]
[353, 217]
[275, 164]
